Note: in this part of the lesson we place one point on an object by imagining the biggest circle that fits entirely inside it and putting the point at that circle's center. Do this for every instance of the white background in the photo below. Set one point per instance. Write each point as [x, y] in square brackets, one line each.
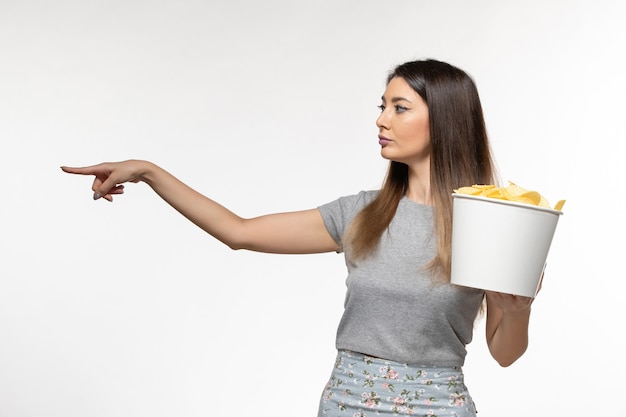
[127, 309]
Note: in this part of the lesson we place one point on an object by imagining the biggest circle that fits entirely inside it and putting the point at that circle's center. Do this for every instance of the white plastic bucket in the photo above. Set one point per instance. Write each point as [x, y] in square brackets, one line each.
[500, 245]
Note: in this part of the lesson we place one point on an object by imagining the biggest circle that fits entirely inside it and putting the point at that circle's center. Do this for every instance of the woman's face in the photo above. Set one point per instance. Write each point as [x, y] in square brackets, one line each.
[404, 131]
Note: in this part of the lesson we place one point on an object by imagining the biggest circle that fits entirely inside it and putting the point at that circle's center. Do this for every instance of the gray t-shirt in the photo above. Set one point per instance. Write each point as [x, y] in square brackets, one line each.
[393, 308]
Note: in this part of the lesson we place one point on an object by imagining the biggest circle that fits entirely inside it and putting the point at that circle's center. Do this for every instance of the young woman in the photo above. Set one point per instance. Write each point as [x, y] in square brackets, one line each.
[401, 340]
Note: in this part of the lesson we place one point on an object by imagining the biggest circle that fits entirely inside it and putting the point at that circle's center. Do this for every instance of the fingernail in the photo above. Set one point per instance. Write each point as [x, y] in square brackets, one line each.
[96, 196]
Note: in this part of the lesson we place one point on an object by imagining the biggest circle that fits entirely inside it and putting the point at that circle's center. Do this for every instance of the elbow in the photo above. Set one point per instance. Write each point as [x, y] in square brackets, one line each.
[235, 245]
[233, 241]
[506, 363]
[238, 244]
[509, 358]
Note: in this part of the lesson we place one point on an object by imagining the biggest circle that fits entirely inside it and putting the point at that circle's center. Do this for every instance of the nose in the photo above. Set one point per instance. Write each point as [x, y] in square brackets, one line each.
[382, 122]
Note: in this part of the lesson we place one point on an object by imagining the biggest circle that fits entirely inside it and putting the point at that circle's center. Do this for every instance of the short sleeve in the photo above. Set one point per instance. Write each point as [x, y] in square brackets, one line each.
[338, 214]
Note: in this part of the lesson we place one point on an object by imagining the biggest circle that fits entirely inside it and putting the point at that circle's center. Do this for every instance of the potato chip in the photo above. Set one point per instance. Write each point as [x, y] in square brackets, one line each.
[512, 192]
[468, 190]
[532, 196]
[559, 205]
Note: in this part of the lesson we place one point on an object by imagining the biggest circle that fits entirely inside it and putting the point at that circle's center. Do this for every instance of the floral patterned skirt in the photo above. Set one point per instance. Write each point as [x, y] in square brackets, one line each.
[363, 386]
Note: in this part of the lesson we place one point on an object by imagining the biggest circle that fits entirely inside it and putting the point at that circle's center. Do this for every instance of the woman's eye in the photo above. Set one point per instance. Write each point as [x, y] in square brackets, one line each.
[401, 109]
[381, 107]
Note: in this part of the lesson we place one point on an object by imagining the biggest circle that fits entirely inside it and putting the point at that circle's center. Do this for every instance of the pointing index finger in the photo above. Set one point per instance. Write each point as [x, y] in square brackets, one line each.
[89, 170]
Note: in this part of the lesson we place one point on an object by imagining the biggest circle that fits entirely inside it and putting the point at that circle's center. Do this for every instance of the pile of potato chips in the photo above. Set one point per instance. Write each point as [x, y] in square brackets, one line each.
[511, 193]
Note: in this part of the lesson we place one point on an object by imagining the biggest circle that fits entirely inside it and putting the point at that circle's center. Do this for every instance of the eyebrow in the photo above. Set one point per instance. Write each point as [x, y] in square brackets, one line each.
[396, 99]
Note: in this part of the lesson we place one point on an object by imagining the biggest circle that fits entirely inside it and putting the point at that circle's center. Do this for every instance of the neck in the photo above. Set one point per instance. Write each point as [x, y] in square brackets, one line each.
[419, 186]
[419, 197]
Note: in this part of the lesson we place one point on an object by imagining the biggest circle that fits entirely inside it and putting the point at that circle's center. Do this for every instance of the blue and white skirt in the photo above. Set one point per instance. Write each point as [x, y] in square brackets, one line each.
[363, 386]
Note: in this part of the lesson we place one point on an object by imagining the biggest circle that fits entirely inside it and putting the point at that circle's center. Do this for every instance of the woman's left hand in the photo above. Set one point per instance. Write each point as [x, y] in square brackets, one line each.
[508, 303]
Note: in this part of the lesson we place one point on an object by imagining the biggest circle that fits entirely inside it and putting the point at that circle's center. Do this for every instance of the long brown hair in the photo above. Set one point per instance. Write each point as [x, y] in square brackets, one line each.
[460, 156]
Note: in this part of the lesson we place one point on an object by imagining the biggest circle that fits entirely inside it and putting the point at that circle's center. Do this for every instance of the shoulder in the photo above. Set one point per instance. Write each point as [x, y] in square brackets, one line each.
[351, 202]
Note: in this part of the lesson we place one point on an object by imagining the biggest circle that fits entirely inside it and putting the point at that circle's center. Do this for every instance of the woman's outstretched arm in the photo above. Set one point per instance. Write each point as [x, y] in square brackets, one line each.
[290, 232]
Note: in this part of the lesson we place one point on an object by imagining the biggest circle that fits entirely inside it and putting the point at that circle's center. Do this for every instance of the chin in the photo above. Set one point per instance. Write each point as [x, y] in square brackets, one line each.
[390, 157]
[386, 154]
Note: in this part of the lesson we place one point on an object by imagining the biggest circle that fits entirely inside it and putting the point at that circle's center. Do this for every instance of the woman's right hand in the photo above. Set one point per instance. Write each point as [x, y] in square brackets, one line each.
[110, 176]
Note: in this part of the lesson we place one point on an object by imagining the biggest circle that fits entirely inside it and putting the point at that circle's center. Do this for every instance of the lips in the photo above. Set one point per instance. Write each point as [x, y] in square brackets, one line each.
[383, 140]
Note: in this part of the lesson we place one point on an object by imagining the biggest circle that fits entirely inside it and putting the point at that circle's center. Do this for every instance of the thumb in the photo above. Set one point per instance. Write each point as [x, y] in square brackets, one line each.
[103, 182]
[106, 187]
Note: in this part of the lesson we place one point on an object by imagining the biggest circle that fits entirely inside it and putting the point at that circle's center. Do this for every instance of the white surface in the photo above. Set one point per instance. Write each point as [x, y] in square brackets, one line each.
[500, 245]
[126, 309]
